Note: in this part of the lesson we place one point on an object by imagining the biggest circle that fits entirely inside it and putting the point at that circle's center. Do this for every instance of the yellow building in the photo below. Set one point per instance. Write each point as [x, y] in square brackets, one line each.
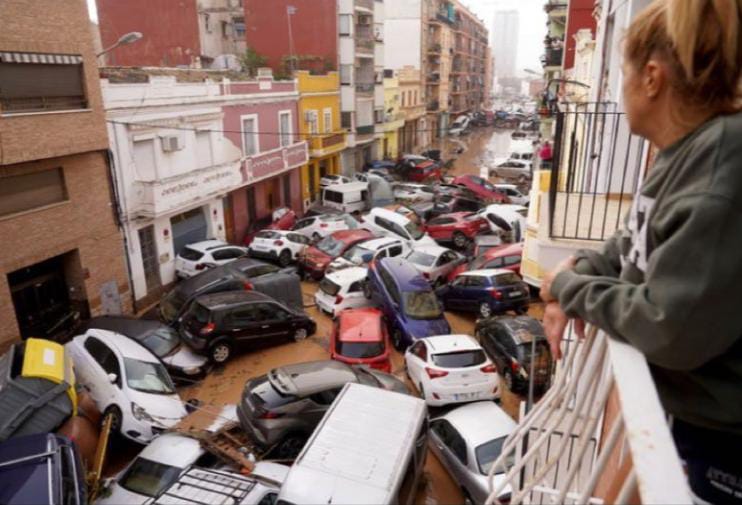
[319, 123]
[415, 135]
[393, 118]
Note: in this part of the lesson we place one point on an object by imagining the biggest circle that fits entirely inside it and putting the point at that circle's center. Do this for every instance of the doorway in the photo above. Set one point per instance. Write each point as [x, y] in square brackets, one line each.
[149, 258]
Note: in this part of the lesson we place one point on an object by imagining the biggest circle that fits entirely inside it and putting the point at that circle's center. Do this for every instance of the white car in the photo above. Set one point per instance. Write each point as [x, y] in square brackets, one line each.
[127, 381]
[507, 220]
[278, 245]
[514, 194]
[411, 192]
[451, 369]
[459, 126]
[361, 254]
[387, 223]
[467, 441]
[199, 256]
[342, 290]
[329, 180]
[318, 227]
[435, 262]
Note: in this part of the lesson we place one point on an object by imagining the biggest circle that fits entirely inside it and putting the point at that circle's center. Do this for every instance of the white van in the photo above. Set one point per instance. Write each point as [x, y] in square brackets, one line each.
[369, 448]
[350, 197]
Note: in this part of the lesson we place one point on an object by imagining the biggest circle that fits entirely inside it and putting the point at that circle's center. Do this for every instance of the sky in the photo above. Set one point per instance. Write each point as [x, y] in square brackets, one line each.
[532, 25]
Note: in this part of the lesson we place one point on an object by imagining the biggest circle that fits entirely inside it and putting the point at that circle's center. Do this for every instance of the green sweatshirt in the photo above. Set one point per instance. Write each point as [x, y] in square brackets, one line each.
[670, 283]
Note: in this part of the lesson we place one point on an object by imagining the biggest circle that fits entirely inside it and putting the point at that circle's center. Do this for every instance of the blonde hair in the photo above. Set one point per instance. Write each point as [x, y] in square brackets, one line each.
[700, 41]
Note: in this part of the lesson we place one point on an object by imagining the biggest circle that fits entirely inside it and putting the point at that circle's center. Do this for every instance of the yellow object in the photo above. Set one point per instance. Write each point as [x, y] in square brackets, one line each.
[44, 359]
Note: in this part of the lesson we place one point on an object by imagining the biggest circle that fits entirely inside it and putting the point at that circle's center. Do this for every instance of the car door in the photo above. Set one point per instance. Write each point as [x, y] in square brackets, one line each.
[276, 321]
[474, 291]
[297, 243]
[416, 359]
[451, 446]
[454, 293]
[243, 324]
[103, 361]
[440, 228]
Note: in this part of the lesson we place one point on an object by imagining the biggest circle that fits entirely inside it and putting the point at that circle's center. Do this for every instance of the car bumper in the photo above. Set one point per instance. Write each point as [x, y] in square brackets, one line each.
[324, 306]
[436, 396]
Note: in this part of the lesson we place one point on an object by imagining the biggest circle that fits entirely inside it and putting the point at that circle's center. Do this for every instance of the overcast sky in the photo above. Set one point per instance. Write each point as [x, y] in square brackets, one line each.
[532, 25]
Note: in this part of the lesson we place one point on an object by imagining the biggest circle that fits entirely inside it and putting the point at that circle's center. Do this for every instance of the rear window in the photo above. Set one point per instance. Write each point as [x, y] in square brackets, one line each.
[200, 313]
[333, 196]
[264, 394]
[329, 287]
[459, 359]
[360, 350]
[505, 279]
[420, 258]
[268, 234]
[191, 254]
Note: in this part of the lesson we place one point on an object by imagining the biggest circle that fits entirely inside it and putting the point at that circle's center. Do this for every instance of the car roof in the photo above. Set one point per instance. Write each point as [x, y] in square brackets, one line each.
[504, 250]
[347, 275]
[173, 449]
[486, 272]
[313, 376]
[408, 277]
[125, 325]
[480, 422]
[228, 298]
[360, 325]
[523, 328]
[505, 207]
[348, 236]
[331, 216]
[206, 245]
[433, 250]
[392, 216]
[451, 343]
[378, 243]
[506, 186]
[348, 187]
[125, 346]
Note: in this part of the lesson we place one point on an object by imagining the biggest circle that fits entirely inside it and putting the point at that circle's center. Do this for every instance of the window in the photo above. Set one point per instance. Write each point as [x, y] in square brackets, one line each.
[346, 74]
[250, 144]
[207, 25]
[476, 282]
[327, 121]
[346, 120]
[144, 160]
[284, 127]
[225, 29]
[420, 351]
[203, 149]
[19, 193]
[346, 21]
[32, 82]
[104, 357]
[312, 120]
[379, 116]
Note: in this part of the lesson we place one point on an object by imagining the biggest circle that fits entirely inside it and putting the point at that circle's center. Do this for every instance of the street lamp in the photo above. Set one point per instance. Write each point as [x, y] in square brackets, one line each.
[128, 38]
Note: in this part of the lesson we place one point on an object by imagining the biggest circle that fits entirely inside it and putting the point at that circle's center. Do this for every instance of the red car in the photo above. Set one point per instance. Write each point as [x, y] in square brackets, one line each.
[281, 219]
[314, 260]
[482, 188]
[425, 171]
[458, 227]
[359, 337]
[506, 256]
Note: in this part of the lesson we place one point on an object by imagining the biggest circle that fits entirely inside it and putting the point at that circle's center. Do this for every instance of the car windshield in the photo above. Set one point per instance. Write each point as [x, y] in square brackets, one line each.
[414, 230]
[356, 253]
[478, 262]
[488, 452]
[149, 478]
[148, 377]
[360, 350]
[459, 359]
[190, 254]
[331, 246]
[505, 279]
[421, 258]
[161, 342]
[171, 304]
[422, 305]
[329, 287]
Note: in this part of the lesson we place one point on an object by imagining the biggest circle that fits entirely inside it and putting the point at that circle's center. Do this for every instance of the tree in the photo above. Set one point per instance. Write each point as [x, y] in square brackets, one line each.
[251, 61]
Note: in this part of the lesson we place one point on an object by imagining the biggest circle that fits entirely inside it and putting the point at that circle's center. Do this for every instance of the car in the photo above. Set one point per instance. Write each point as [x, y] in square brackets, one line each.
[410, 192]
[278, 245]
[329, 180]
[41, 468]
[468, 440]
[508, 220]
[314, 260]
[458, 227]
[485, 242]
[449, 369]
[160, 339]
[514, 194]
[318, 227]
[360, 337]
[405, 297]
[219, 323]
[362, 253]
[282, 218]
[379, 164]
[484, 189]
[510, 342]
[243, 274]
[199, 256]
[486, 292]
[341, 290]
[406, 211]
[387, 223]
[507, 257]
[283, 407]
[384, 173]
[127, 382]
[459, 126]
[435, 262]
[521, 170]
[425, 171]
[317, 209]
[454, 190]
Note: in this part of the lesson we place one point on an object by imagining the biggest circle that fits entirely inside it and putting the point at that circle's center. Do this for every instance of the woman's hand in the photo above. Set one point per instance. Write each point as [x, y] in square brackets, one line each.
[555, 322]
[545, 293]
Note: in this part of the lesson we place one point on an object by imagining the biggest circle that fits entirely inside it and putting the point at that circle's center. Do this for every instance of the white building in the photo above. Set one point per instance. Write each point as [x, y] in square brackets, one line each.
[403, 25]
[505, 31]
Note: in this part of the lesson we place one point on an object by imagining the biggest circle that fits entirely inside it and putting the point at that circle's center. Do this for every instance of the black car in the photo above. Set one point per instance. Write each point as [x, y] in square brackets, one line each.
[446, 204]
[218, 323]
[239, 275]
[508, 341]
[162, 340]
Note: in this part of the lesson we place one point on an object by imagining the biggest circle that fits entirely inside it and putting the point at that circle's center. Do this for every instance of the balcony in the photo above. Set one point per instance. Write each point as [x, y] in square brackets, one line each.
[552, 58]
[365, 130]
[434, 48]
[365, 88]
[434, 106]
[556, 9]
[365, 46]
[327, 144]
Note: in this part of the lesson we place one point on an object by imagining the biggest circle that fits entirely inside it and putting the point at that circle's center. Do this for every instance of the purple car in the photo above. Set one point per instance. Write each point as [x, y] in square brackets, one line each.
[411, 309]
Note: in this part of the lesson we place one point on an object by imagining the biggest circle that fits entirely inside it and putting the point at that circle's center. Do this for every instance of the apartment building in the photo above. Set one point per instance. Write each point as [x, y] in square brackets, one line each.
[415, 135]
[63, 251]
[439, 23]
[393, 117]
[189, 33]
[468, 72]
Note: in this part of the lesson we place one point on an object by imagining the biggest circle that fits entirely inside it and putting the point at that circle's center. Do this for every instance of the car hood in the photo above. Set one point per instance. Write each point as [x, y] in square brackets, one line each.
[184, 358]
[166, 409]
[420, 328]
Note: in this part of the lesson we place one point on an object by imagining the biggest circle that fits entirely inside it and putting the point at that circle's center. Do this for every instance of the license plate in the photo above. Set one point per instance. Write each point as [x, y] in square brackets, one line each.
[513, 294]
[463, 396]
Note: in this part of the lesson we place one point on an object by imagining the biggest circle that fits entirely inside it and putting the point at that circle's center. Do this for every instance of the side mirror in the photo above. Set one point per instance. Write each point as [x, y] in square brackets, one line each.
[112, 378]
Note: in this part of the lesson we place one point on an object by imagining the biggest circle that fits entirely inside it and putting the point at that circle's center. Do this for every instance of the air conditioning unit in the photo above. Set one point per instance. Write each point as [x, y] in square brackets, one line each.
[171, 143]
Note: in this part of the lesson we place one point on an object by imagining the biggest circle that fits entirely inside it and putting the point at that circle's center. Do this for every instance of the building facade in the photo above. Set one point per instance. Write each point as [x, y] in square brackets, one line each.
[415, 134]
[440, 21]
[469, 62]
[57, 216]
[393, 117]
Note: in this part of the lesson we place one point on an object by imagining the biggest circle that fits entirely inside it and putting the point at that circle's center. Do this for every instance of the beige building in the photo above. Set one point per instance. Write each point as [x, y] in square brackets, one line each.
[64, 252]
[413, 109]
[439, 43]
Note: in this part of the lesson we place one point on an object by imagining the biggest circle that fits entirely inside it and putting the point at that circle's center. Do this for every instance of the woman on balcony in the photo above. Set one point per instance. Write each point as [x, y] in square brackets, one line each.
[669, 282]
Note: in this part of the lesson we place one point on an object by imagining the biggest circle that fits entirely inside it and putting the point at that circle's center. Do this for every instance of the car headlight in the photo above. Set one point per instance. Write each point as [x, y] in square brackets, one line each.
[192, 370]
[139, 413]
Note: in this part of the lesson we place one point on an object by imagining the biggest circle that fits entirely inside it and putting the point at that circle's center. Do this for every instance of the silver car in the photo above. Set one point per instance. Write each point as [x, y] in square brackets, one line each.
[468, 440]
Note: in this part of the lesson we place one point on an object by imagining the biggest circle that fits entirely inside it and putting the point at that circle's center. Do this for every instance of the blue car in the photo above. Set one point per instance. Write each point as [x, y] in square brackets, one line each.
[487, 292]
[43, 468]
[408, 302]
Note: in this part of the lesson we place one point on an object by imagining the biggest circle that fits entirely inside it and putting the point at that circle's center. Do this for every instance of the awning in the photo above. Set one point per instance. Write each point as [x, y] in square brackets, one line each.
[46, 58]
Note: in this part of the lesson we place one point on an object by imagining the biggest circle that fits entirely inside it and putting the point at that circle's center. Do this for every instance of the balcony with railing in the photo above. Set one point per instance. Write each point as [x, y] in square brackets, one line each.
[552, 58]
[365, 88]
[434, 106]
[367, 5]
[326, 144]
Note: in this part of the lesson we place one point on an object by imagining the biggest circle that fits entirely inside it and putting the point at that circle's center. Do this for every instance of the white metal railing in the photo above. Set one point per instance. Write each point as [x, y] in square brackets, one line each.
[573, 448]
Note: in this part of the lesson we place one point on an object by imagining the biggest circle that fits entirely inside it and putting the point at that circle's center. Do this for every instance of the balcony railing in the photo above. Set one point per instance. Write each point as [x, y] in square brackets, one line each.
[365, 44]
[365, 87]
[333, 140]
[599, 435]
[364, 130]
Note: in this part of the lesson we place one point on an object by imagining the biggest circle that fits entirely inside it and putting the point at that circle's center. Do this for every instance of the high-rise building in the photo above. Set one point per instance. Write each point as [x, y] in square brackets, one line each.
[505, 42]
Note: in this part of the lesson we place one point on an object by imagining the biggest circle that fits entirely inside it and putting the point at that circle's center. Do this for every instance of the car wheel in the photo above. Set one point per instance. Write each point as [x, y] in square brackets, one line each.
[115, 413]
[397, 339]
[485, 310]
[291, 446]
[460, 240]
[367, 290]
[284, 258]
[300, 334]
[220, 352]
[509, 380]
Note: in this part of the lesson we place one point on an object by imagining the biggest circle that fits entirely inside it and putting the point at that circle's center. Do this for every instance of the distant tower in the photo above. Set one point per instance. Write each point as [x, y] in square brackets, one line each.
[505, 43]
